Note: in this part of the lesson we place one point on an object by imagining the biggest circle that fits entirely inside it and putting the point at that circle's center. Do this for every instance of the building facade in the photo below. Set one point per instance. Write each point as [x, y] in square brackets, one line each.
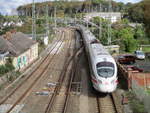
[21, 49]
[112, 16]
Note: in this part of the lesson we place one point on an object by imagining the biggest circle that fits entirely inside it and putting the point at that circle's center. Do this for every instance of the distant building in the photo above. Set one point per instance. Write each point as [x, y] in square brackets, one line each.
[22, 49]
[112, 16]
[13, 23]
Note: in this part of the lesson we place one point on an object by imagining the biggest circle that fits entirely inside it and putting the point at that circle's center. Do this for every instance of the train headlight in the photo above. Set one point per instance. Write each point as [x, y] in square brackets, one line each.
[114, 81]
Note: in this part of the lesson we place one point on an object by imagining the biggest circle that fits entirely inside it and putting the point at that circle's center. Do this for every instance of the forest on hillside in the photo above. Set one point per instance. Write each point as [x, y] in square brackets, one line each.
[131, 13]
[68, 7]
[138, 12]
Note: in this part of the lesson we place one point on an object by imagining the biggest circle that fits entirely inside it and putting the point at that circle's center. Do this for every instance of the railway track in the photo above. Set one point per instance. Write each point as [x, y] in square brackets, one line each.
[108, 104]
[57, 89]
[39, 101]
[58, 102]
[72, 75]
[42, 69]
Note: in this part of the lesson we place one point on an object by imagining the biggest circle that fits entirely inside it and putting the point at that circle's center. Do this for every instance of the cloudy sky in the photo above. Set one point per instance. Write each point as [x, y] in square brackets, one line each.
[9, 6]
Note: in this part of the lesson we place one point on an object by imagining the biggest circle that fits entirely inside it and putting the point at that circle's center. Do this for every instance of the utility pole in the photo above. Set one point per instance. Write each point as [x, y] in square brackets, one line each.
[47, 21]
[33, 21]
[109, 24]
[55, 16]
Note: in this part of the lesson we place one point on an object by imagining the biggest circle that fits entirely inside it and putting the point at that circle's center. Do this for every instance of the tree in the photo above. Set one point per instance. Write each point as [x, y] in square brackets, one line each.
[139, 32]
[120, 6]
[127, 36]
[7, 67]
[97, 1]
[103, 24]
[147, 15]
[136, 13]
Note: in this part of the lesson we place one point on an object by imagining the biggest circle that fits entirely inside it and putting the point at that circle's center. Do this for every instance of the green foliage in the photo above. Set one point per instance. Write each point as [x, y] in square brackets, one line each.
[97, 20]
[7, 67]
[148, 91]
[146, 7]
[3, 19]
[104, 29]
[139, 32]
[127, 36]
[12, 76]
[6, 29]
[135, 104]
[136, 13]
[27, 27]
[120, 6]
[124, 21]
[139, 12]
[123, 36]
[97, 1]
[69, 7]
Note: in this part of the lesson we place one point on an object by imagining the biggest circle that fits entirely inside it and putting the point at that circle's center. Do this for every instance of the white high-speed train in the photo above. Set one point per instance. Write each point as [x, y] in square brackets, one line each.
[103, 67]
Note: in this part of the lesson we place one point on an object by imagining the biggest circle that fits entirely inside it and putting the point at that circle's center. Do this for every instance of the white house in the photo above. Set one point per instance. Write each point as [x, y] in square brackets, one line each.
[112, 16]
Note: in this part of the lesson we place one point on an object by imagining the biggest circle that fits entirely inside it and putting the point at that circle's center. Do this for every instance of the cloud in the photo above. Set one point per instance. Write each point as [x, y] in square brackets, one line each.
[126, 1]
[6, 6]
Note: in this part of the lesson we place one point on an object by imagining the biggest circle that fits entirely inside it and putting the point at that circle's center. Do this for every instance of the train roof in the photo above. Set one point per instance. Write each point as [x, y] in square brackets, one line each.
[98, 49]
[89, 36]
[100, 53]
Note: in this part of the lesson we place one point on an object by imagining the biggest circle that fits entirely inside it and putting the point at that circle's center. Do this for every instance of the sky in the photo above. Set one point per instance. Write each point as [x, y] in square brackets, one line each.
[9, 6]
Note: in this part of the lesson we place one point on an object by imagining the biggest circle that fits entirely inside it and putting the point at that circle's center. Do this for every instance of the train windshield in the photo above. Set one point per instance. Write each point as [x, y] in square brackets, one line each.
[105, 69]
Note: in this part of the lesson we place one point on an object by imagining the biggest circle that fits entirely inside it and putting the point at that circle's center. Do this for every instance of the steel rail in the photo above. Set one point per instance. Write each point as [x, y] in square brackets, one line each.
[35, 81]
[58, 87]
[72, 75]
[98, 105]
[24, 81]
[116, 103]
[112, 104]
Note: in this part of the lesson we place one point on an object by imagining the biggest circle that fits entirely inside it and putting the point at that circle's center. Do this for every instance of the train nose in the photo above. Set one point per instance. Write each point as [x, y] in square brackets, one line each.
[107, 87]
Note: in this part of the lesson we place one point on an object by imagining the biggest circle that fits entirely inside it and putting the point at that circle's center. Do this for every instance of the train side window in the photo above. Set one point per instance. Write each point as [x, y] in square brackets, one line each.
[105, 69]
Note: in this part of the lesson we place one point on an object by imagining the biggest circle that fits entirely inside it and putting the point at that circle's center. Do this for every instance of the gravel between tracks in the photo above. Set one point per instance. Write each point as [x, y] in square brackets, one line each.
[19, 92]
